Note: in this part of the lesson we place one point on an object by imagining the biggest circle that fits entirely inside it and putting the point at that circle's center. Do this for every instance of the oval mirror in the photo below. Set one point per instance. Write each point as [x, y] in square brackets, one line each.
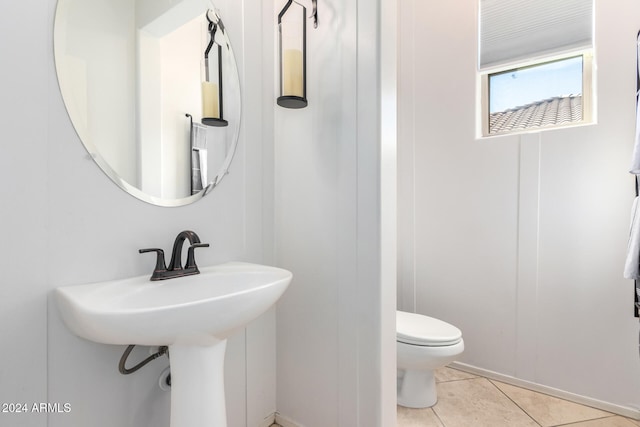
[152, 90]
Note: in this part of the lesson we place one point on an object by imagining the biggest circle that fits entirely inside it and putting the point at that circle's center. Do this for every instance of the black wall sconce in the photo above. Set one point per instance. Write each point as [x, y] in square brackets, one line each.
[212, 88]
[292, 46]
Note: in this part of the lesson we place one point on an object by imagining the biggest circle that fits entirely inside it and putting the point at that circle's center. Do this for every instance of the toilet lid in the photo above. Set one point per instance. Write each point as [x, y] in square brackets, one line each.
[417, 329]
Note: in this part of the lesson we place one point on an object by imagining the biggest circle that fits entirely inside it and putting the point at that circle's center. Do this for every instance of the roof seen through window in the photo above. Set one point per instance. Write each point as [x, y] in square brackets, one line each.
[519, 87]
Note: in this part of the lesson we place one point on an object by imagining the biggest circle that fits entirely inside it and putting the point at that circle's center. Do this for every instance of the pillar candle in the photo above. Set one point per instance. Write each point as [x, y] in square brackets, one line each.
[210, 107]
[292, 73]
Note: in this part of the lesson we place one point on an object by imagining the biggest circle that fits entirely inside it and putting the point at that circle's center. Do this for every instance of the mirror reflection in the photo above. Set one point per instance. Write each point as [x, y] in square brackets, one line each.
[153, 92]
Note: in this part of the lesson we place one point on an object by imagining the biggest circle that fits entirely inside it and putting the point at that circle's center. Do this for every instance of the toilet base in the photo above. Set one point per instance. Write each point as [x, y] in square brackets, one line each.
[417, 389]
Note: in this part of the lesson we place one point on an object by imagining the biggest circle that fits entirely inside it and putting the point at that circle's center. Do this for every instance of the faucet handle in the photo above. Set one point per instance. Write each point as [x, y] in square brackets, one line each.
[191, 258]
[160, 265]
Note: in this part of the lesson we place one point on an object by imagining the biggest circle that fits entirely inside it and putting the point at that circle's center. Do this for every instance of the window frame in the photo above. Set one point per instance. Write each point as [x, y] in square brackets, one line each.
[588, 91]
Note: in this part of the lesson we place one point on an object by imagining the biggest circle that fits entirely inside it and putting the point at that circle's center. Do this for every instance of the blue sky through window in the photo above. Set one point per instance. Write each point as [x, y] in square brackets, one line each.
[523, 86]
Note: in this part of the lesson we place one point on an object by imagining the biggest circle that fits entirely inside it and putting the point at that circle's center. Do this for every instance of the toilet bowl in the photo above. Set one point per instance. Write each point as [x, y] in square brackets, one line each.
[423, 344]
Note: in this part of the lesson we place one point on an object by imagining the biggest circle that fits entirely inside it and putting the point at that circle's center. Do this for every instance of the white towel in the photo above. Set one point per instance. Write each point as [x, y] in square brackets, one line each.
[199, 172]
[635, 162]
[203, 166]
[632, 263]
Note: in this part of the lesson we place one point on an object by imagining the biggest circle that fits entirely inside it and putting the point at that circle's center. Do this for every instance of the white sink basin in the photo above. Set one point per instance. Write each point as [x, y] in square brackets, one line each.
[193, 315]
[198, 309]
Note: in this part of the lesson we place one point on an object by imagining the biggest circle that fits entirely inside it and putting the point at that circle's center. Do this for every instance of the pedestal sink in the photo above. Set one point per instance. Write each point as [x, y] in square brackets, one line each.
[193, 315]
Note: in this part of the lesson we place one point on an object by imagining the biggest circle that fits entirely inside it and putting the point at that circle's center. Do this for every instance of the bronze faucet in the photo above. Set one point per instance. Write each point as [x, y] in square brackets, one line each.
[161, 272]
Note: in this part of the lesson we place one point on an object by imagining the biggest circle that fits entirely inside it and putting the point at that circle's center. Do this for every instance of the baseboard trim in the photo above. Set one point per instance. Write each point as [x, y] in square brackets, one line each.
[583, 400]
[285, 422]
[268, 420]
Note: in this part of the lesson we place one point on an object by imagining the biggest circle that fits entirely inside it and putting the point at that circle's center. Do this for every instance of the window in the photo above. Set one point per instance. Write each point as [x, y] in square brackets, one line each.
[555, 93]
[535, 62]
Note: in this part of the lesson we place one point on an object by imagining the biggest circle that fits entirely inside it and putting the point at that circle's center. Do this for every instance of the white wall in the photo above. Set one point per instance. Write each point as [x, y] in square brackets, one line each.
[86, 54]
[336, 333]
[65, 223]
[519, 240]
[183, 96]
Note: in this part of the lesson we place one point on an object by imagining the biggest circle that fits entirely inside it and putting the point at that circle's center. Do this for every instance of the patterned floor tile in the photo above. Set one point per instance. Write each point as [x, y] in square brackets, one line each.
[478, 403]
[549, 411]
[409, 417]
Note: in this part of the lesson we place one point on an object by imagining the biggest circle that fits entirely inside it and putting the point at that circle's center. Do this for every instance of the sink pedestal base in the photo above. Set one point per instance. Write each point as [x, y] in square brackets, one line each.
[197, 385]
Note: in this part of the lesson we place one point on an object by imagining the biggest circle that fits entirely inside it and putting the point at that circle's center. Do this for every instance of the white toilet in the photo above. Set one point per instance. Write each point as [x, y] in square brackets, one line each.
[424, 344]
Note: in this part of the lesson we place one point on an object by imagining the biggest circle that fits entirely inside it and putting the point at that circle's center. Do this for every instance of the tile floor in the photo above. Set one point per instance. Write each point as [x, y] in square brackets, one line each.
[467, 400]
